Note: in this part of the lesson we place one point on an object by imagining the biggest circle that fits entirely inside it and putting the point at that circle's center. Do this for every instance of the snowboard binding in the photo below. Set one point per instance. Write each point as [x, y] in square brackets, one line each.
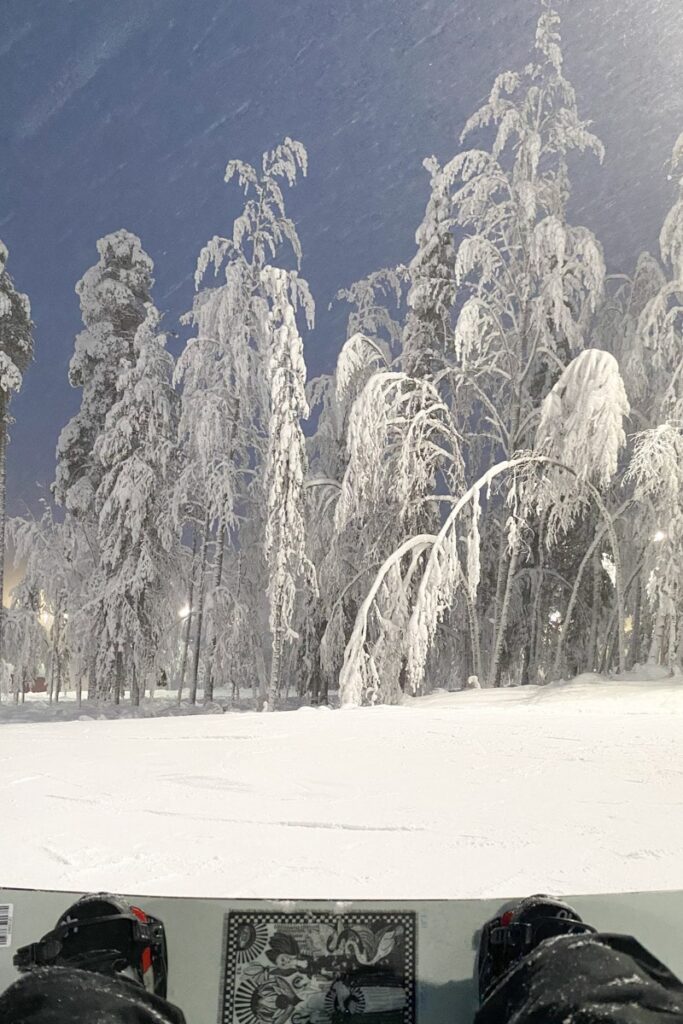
[505, 940]
[103, 933]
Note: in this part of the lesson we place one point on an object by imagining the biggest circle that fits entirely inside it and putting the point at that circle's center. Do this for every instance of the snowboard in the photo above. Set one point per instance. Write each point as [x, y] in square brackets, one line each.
[311, 962]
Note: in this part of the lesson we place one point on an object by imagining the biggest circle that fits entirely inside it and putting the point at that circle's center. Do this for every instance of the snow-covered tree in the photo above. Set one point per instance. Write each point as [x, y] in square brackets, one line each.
[521, 297]
[528, 285]
[137, 535]
[16, 352]
[582, 418]
[653, 365]
[660, 326]
[581, 430]
[285, 471]
[578, 440]
[39, 627]
[616, 329]
[226, 408]
[657, 472]
[400, 439]
[113, 294]
[427, 341]
[528, 281]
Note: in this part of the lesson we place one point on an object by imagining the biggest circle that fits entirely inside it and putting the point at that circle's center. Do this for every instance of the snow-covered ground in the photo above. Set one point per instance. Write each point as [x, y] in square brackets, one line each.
[571, 788]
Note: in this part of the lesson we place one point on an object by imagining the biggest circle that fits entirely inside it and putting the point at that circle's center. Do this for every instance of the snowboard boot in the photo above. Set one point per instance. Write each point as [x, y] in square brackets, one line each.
[104, 934]
[505, 940]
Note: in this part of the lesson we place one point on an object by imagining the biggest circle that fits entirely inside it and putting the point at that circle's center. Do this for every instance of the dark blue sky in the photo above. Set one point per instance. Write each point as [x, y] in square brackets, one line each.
[124, 114]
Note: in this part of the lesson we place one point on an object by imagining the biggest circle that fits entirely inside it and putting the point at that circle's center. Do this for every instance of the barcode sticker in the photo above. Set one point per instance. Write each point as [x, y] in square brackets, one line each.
[6, 912]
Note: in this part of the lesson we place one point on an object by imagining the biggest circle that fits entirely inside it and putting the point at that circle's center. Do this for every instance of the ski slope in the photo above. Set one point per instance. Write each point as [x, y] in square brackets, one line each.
[570, 788]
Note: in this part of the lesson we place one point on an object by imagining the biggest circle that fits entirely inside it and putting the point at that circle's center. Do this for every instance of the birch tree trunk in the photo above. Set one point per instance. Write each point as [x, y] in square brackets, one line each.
[618, 583]
[57, 641]
[672, 647]
[134, 687]
[58, 665]
[657, 641]
[618, 576]
[92, 679]
[573, 598]
[259, 678]
[536, 632]
[119, 678]
[500, 582]
[275, 671]
[494, 674]
[188, 621]
[53, 658]
[593, 635]
[200, 615]
[208, 689]
[634, 656]
[474, 635]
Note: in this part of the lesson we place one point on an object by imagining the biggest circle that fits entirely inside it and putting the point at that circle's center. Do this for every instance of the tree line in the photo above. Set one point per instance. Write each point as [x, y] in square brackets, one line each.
[488, 488]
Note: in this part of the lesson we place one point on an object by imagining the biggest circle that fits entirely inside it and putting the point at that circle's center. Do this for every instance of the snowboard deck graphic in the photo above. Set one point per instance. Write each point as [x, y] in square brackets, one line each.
[314, 962]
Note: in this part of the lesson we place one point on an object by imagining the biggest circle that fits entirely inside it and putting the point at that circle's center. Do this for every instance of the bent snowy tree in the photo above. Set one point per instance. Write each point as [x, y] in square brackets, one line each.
[579, 438]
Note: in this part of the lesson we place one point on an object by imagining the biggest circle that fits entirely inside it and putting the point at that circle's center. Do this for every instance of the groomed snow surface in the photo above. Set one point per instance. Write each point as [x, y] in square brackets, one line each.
[570, 788]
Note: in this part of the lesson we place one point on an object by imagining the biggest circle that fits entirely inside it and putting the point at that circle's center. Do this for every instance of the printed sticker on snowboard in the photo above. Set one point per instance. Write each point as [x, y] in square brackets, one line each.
[6, 911]
[316, 967]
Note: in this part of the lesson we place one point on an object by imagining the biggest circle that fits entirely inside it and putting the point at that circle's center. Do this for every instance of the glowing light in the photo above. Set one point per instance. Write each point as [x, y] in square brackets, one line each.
[184, 611]
[555, 617]
[46, 619]
[659, 536]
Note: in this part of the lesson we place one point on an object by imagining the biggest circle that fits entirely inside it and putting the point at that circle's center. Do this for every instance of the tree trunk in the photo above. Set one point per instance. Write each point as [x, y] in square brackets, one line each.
[210, 669]
[53, 665]
[500, 582]
[595, 605]
[657, 642]
[58, 674]
[188, 621]
[494, 673]
[618, 578]
[474, 635]
[200, 615]
[634, 656]
[536, 631]
[275, 671]
[259, 678]
[672, 651]
[92, 679]
[134, 687]
[118, 682]
[621, 611]
[562, 631]
[57, 639]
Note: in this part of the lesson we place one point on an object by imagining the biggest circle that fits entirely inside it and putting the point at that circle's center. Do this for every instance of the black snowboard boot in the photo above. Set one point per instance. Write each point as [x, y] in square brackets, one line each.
[508, 938]
[104, 934]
